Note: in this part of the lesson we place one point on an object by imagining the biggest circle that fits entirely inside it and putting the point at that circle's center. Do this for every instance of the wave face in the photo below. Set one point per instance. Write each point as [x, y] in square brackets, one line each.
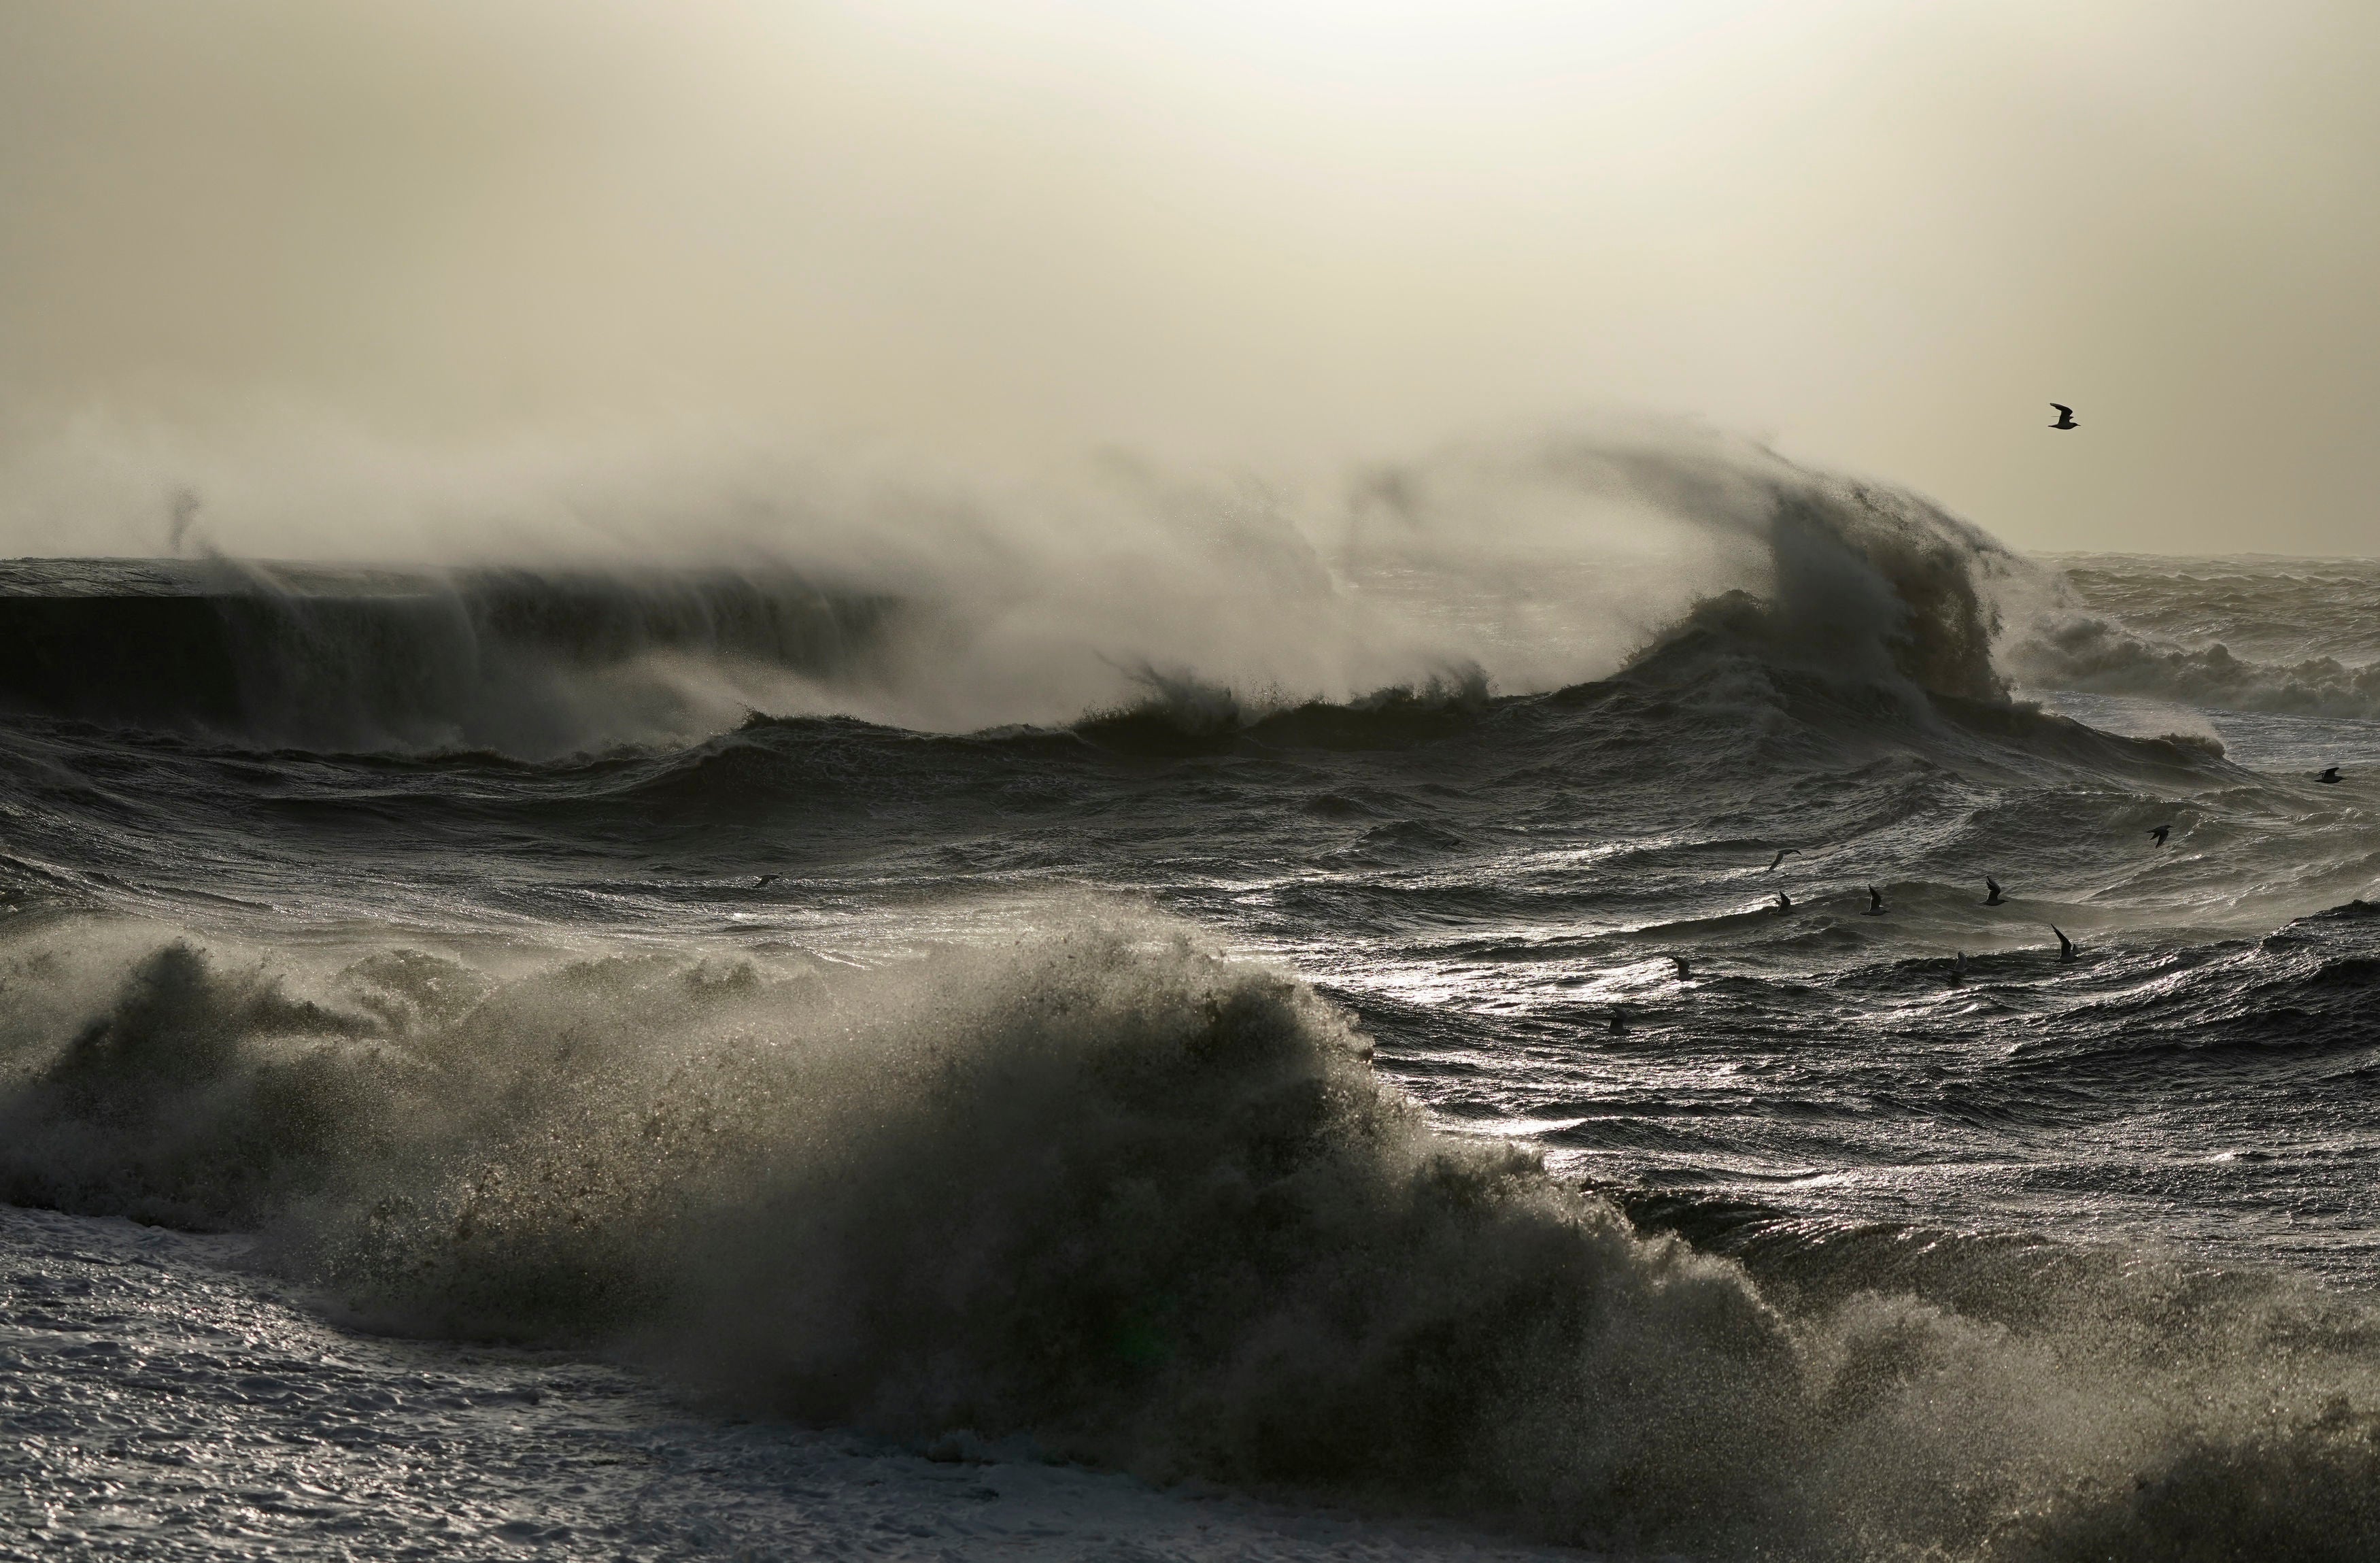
[1422, 1038]
[1040, 614]
[531, 662]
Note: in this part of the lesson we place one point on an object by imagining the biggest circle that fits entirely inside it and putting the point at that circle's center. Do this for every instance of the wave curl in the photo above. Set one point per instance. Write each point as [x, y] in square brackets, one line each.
[1521, 567]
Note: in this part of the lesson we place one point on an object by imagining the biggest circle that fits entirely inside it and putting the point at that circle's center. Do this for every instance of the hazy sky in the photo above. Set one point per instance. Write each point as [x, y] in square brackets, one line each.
[1884, 236]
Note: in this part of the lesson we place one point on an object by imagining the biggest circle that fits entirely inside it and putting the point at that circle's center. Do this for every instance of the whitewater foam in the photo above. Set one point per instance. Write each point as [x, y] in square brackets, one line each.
[1142, 1206]
[1521, 567]
[795, 1065]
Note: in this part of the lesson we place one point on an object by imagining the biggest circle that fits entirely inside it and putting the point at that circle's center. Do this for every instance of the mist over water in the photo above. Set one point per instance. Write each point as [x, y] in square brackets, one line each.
[681, 598]
[1179, 974]
[767, 787]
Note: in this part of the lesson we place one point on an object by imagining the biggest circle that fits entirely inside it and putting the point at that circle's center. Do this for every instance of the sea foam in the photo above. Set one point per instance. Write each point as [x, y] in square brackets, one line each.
[1106, 1190]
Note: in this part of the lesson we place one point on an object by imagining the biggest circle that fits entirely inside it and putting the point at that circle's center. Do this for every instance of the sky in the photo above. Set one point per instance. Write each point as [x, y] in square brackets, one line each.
[323, 244]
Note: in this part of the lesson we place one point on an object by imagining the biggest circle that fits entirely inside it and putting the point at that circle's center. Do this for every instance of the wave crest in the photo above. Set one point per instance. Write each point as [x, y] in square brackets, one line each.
[1524, 567]
[2092, 655]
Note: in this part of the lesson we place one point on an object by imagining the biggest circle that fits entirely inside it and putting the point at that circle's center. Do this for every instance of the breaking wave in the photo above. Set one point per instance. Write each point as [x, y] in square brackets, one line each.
[527, 662]
[1106, 1192]
[1517, 569]
[2096, 655]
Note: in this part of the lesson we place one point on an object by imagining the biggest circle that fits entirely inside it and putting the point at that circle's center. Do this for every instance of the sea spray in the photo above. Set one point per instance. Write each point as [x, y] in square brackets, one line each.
[1108, 1191]
[1520, 566]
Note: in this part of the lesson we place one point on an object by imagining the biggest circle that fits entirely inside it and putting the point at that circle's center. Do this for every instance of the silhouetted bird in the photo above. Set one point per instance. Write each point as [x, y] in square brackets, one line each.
[1619, 1020]
[2160, 832]
[1783, 853]
[2330, 776]
[1993, 886]
[1874, 902]
[766, 879]
[2065, 945]
[1684, 971]
[1784, 901]
[2065, 417]
[1959, 970]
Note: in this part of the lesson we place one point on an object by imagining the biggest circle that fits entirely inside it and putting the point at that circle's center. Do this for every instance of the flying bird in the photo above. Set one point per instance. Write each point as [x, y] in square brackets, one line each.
[1874, 902]
[2065, 417]
[766, 879]
[2330, 776]
[1993, 886]
[1684, 971]
[2160, 832]
[1784, 901]
[2065, 945]
[1783, 853]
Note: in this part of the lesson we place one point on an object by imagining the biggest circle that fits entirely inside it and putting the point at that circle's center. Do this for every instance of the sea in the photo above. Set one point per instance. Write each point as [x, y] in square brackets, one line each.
[1448, 1033]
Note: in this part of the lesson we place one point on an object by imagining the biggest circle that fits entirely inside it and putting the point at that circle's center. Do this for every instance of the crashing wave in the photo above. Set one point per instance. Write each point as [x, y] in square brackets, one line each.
[1518, 568]
[2092, 655]
[1139, 1204]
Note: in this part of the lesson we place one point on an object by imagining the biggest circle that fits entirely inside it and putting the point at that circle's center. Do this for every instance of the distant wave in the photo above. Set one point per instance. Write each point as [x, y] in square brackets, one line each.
[517, 661]
[1110, 1194]
[1184, 717]
[1188, 621]
[1515, 568]
[2094, 655]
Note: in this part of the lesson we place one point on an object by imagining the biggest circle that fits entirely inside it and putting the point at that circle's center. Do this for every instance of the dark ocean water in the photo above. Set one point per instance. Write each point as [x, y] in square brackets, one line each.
[1421, 1099]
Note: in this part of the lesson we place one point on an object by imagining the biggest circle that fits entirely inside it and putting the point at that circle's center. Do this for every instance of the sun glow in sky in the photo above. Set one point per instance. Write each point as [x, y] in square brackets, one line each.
[1883, 236]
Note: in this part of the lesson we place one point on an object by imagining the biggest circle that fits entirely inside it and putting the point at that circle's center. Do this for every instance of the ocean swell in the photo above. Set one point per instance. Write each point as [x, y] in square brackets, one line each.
[1520, 568]
[531, 663]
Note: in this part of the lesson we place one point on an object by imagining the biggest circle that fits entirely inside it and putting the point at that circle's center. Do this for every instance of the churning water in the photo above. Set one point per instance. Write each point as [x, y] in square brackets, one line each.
[1319, 1020]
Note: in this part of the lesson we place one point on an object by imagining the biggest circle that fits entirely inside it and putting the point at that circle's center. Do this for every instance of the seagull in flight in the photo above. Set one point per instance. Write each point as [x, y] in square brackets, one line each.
[2160, 832]
[1874, 902]
[2330, 776]
[2065, 417]
[1684, 971]
[1785, 852]
[766, 879]
[1993, 886]
[2065, 945]
[1784, 901]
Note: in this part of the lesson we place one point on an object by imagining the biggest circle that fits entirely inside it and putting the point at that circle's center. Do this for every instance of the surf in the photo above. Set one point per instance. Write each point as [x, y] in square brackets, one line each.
[1144, 1205]
[1520, 568]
